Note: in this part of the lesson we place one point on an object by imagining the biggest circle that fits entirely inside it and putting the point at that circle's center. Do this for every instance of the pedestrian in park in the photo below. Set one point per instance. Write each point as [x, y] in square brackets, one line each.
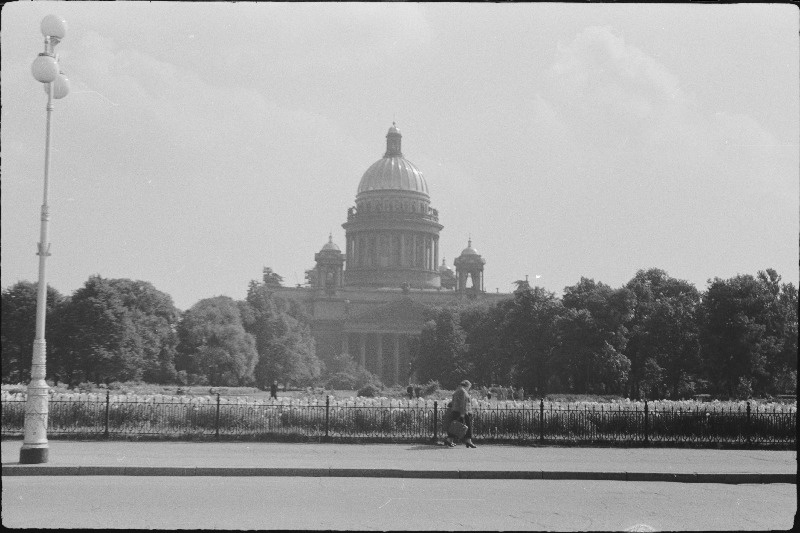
[460, 409]
[273, 390]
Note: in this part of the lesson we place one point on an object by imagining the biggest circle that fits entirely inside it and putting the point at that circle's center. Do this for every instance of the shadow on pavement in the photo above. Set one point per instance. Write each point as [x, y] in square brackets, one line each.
[423, 447]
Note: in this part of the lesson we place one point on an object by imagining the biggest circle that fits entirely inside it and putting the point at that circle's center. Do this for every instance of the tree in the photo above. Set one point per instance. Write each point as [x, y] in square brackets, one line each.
[118, 330]
[282, 336]
[748, 331]
[592, 337]
[272, 279]
[528, 336]
[19, 329]
[213, 343]
[442, 350]
[487, 362]
[663, 344]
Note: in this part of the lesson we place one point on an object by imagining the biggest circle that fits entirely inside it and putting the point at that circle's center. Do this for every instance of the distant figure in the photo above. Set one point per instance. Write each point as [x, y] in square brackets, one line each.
[273, 390]
[460, 409]
[410, 391]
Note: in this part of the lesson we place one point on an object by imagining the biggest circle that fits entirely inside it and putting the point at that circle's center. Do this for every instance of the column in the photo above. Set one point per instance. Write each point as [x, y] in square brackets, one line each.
[346, 343]
[402, 249]
[396, 358]
[362, 350]
[436, 252]
[414, 250]
[379, 360]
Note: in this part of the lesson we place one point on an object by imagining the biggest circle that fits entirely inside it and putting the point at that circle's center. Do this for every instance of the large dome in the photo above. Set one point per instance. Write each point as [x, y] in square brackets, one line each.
[393, 171]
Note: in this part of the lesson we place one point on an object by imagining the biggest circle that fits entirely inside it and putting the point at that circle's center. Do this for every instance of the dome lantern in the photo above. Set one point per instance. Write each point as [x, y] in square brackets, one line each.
[393, 140]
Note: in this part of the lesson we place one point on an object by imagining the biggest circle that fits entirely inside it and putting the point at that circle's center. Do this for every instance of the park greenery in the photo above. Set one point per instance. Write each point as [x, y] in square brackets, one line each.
[654, 337]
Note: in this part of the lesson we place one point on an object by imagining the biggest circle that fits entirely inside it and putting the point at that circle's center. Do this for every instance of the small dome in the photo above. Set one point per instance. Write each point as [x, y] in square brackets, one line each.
[330, 245]
[443, 267]
[469, 250]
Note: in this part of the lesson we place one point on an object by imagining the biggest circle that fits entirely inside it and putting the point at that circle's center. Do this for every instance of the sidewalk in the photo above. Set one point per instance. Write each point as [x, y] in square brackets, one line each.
[404, 460]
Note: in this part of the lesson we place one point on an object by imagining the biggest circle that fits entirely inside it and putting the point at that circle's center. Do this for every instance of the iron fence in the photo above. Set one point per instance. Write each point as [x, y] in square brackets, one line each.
[542, 424]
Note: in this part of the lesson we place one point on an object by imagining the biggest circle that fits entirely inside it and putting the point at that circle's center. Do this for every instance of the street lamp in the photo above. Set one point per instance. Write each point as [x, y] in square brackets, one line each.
[46, 70]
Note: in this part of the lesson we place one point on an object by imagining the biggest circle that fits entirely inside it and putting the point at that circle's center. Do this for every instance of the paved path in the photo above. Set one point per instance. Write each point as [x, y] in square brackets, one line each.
[405, 460]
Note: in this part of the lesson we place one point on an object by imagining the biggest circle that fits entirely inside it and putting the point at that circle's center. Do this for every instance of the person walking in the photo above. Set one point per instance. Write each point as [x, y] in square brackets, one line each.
[460, 409]
[273, 390]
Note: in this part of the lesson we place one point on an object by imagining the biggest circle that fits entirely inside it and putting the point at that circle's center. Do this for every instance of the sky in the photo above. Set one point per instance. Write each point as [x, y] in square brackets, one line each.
[202, 142]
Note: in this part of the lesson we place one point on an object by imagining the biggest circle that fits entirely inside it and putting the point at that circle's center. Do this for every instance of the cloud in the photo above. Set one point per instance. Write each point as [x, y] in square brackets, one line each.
[600, 82]
[622, 107]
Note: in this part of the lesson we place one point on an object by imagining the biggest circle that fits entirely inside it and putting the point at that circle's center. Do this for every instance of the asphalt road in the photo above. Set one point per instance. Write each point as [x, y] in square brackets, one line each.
[390, 504]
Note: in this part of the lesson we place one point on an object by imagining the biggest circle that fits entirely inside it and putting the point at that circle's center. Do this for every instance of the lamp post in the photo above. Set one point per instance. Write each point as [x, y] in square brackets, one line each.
[45, 69]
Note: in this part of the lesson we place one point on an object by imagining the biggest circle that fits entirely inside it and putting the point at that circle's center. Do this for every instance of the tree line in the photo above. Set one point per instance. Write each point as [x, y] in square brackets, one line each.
[655, 337]
[125, 330]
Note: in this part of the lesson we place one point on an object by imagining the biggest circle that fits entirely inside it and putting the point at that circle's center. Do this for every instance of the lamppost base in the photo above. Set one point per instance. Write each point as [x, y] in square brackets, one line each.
[33, 456]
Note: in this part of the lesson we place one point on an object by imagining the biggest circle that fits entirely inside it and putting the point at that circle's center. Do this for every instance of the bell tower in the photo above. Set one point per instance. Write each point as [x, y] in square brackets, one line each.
[330, 267]
[469, 267]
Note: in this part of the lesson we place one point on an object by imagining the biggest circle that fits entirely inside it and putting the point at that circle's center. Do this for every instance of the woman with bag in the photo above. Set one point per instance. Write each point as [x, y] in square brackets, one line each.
[460, 417]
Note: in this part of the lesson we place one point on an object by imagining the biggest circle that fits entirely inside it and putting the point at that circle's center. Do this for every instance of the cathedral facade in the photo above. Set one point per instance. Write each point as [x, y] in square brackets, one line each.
[369, 300]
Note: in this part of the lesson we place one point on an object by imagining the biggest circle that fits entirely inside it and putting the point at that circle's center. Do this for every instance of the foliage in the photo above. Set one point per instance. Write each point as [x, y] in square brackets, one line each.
[442, 349]
[19, 328]
[344, 373]
[117, 329]
[528, 335]
[656, 336]
[214, 343]
[370, 390]
[663, 345]
[749, 332]
[272, 279]
[283, 338]
[592, 337]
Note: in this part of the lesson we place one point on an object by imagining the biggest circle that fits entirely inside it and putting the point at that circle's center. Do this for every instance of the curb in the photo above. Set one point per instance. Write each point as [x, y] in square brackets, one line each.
[695, 477]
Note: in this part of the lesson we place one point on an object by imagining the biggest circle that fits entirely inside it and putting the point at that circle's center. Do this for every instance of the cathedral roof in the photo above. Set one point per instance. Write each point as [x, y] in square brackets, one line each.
[393, 171]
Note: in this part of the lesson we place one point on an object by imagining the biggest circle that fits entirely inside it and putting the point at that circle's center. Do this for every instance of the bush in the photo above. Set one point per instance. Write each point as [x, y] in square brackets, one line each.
[369, 390]
[431, 388]
[344, 374]
[744, 388]
[86, 386]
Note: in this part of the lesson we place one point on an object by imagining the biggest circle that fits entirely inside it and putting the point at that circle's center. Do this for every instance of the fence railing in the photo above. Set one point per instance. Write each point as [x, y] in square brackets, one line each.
[420, 422]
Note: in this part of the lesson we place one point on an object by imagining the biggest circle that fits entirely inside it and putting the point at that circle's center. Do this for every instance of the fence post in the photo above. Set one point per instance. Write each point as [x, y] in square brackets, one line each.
[108, 393]
[541, 420]
[435, 421]
[327, 415]
[645, 423]
[747, 426]
[216, 421]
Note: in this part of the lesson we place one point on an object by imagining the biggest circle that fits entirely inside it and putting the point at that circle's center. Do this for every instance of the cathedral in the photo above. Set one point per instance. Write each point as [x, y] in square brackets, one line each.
[368, 301]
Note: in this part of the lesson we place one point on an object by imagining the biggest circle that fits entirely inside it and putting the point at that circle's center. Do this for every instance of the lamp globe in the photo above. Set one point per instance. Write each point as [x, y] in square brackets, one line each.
[54, 26]
[60, 86]
[44, 68]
